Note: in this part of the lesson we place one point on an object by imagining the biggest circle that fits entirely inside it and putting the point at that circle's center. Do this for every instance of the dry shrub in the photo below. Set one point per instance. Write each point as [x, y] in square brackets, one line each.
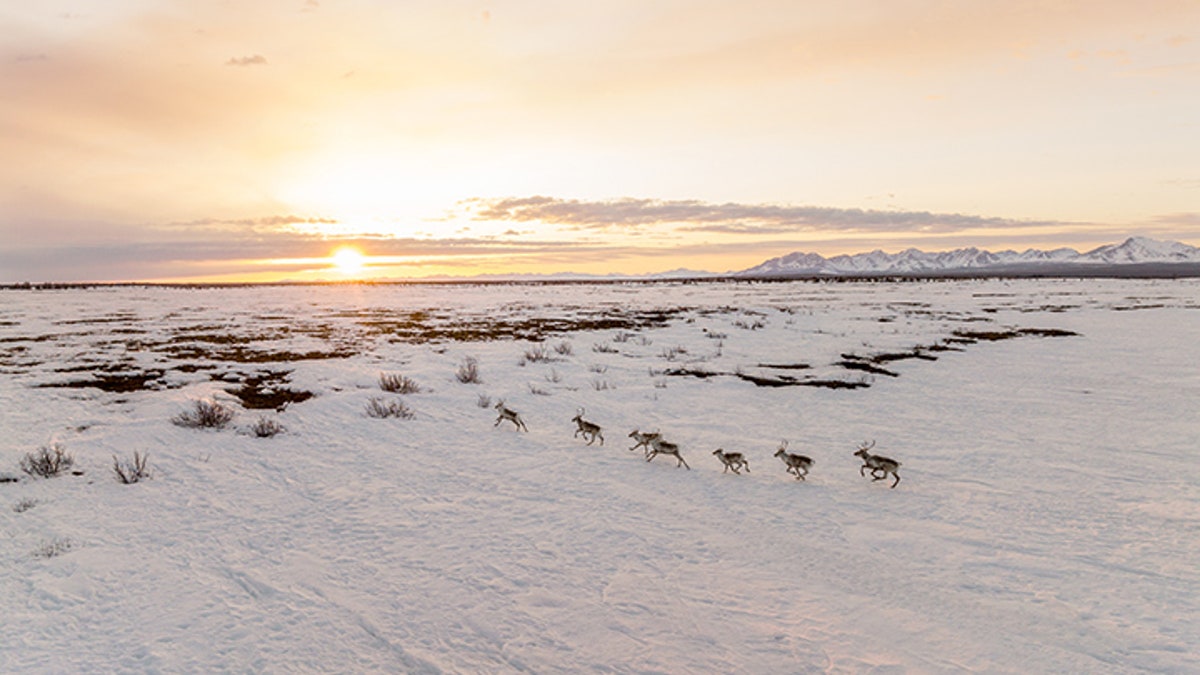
[537, 354]
[47, 461]
[468, 371]
[266, 427]
[398, 384]
[129, 472]
[54, 547]
[380, 408]
[204, 415]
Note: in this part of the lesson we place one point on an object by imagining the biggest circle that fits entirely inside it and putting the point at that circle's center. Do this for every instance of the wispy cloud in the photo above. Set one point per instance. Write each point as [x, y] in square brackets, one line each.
[255, 60]
[192, 250]
[267, 222]
[728, 218]
[1188, 219]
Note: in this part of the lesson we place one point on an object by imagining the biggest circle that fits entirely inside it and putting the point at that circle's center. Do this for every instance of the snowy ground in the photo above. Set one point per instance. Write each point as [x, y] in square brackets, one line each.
[1048, 519]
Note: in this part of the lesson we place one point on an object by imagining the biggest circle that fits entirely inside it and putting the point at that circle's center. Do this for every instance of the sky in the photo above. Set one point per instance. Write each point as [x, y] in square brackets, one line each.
[162, 140]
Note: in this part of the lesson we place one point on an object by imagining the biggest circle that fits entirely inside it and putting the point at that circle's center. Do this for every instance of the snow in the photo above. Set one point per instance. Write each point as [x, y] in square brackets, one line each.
[1047, 520]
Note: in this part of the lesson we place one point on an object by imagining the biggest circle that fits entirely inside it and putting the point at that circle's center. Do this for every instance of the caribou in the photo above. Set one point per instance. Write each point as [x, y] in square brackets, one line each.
[796, 464]
[732, 460]
[879, 465]
[644, 439]
[660, 447]
[589, 430]
[510, 415]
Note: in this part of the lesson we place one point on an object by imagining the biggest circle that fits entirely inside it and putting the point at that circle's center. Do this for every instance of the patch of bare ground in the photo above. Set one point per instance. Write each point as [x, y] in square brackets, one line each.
[117, 383]
[265, 390]
[770, 381]
[426, 326]
[1131, 308]
[119, 317]
[872, 364]
[242, 354]
[789, 381]
[972, 336]
[866, 367]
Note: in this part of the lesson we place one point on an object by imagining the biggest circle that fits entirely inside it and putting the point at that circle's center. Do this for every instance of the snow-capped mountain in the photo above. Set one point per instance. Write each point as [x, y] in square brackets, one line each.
[1134, 250]
[1141, 249]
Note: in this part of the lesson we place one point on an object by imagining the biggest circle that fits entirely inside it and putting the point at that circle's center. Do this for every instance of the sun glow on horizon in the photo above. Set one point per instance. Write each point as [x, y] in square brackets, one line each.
[348, 261]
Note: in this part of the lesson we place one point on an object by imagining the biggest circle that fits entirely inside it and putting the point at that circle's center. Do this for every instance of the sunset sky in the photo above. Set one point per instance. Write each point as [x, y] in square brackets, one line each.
[158, 140]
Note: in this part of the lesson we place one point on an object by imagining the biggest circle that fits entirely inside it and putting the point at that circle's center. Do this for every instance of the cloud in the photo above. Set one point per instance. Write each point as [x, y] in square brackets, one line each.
[1189, 219]
[256, 60]
[266, 222]
[726, 218]
[256, 245]
[193, 249]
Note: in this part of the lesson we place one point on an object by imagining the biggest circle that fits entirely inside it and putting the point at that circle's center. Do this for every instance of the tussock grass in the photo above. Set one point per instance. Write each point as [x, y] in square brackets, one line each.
[129, 472]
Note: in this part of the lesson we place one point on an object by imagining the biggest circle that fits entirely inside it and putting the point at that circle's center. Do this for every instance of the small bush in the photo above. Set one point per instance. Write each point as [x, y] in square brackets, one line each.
[484, 401]
[54, 547]
[670, 353]
[468, 371]
[266, 427]
[380, 408]
[534, 389]
[47, 461]
[564, 348]
[398, 384]
[601, 384]
[623, 336]
[598, 368]
[553, 376]
[131, 472]
[24, 505]
[600, 348]
[537, 354]
[204, 415]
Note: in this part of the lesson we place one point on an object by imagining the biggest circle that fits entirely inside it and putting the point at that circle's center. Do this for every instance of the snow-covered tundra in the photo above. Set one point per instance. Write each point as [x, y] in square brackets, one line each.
[1048, 520]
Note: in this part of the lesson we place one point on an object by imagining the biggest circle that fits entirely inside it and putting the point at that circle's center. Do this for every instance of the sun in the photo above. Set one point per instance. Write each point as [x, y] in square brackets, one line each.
[348, 261]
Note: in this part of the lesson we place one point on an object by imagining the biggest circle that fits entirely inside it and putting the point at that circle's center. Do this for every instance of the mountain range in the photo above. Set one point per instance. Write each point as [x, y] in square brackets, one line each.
[1137, 251]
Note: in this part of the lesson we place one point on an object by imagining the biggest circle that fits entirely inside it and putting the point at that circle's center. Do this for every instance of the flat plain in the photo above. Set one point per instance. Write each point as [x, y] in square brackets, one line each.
[1047, 520]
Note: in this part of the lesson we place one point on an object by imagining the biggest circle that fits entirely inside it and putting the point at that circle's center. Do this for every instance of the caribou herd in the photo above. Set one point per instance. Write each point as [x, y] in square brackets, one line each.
[653, 444]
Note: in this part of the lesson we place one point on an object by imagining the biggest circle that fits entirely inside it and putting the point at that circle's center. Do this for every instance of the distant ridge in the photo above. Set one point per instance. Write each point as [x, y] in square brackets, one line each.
[1135, 251]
